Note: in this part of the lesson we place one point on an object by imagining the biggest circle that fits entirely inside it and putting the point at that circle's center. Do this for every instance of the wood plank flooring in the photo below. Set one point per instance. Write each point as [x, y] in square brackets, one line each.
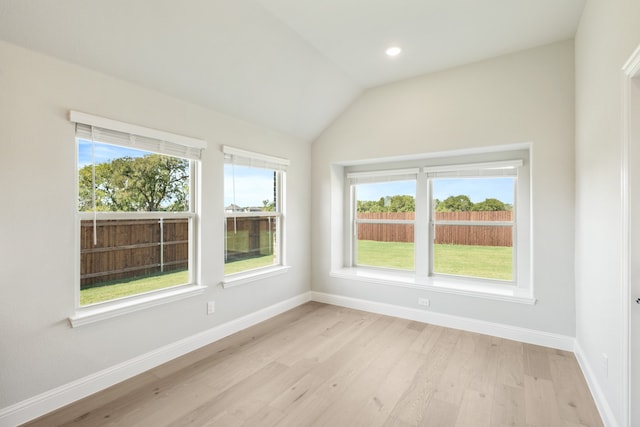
[321, 365]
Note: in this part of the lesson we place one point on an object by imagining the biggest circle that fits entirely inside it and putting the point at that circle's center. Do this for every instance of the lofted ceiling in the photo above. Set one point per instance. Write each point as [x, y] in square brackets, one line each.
[291, 65]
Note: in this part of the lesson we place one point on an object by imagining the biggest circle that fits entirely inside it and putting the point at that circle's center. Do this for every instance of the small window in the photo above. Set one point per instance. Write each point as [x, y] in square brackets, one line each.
[136, 214]
[253, 205]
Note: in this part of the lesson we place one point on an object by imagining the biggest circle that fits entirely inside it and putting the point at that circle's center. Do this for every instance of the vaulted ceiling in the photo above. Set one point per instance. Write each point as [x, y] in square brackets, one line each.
[292, 65]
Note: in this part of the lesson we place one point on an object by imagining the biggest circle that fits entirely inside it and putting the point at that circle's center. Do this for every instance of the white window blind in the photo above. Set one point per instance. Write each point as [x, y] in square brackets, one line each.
[354, 178]
[240, 157]
[99, 129]
[493, 169]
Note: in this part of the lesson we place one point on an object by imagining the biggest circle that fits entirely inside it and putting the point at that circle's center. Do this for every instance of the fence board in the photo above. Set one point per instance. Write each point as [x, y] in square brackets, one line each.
[476, 235]
[131, 248]
[249, 236]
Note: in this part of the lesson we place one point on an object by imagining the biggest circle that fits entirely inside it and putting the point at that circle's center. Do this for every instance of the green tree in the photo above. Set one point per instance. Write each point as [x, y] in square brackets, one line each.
[489, 205]
[268, 206]
[150, 183]
[460, 203]
[397, 203]
[371, 205]
[402, 203]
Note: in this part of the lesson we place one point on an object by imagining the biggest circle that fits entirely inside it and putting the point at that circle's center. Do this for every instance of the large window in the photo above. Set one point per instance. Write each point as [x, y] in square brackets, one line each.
[461, 218]
[254, 219]
[136, 210]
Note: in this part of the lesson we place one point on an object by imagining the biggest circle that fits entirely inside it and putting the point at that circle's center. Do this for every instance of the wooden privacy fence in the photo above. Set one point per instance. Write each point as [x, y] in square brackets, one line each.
[476, 235]
[132, 248]
[248, 237]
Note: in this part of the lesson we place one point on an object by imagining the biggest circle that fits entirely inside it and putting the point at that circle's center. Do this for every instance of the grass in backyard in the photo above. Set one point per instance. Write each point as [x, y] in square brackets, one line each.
[490, 262]
[385, 254]
[122, 288]
[248, 264]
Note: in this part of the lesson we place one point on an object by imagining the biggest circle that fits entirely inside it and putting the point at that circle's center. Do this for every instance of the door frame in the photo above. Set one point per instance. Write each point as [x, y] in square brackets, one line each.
[631, 71]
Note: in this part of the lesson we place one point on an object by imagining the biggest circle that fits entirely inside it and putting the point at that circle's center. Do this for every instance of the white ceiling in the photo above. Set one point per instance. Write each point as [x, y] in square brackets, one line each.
[292, 65]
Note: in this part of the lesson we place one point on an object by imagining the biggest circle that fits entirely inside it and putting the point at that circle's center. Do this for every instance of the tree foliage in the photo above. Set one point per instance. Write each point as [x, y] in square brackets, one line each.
[489, 205]
[404, 203]
[397, 203]
[463, 203]
[268, 205]
[150, 183]
[460, 203]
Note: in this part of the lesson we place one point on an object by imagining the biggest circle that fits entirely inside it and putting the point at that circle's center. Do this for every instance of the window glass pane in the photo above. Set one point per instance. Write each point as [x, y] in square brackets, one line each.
[248, 189]
[131, 255]
[380, 243]
[128, 180]
[473, 248]
[251, 242]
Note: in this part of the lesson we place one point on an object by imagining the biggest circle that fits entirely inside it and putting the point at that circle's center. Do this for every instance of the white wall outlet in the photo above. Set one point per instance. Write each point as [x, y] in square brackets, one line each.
[423, 301]
[605, 364]
[211, 307]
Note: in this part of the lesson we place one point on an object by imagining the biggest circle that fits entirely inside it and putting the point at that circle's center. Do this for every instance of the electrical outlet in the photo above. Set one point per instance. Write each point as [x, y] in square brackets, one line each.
[605, 364]
[211, 307]
[423, 301]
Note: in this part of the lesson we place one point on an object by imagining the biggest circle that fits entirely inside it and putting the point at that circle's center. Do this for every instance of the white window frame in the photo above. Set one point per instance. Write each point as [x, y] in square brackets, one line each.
[374, 177]
[473, 171]
[151, 140]
[482, 163]
[247, 158]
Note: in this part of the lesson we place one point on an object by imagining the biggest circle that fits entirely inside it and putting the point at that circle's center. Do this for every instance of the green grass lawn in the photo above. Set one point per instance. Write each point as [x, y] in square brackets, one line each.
[385, 254]
[491, 262]
[121, 288]
[248, 264]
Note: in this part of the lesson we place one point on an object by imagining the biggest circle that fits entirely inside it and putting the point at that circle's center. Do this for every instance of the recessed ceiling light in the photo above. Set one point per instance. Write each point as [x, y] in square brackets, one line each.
[393, 51]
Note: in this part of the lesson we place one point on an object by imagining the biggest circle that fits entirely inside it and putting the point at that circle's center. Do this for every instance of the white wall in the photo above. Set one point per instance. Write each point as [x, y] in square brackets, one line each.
[525, 97]
[38, 349]
[607, 36]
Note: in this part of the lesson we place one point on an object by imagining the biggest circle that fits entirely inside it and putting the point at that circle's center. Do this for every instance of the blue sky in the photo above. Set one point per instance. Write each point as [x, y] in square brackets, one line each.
[478, 189]
[252, 185]
[103, 153]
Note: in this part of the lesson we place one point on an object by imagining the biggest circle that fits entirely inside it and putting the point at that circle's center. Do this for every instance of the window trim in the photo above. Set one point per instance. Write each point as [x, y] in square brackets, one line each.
[87, 314]
[522, 291]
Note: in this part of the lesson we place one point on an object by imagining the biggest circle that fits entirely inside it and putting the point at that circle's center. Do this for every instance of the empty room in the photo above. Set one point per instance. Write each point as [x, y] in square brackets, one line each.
[320, 213]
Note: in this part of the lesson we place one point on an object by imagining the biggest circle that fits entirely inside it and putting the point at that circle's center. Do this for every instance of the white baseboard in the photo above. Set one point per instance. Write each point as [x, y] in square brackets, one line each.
[599, 397]
[530, 336]
[51, 400]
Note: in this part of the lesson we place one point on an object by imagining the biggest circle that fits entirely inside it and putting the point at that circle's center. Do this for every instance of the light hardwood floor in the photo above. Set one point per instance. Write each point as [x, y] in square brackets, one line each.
[321, 365]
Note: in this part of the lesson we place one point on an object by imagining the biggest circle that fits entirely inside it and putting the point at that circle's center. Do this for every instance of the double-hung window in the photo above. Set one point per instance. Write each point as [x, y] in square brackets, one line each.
[473, 237]
[459, 223]
[383, 218]
[137, 215]
[254, 212]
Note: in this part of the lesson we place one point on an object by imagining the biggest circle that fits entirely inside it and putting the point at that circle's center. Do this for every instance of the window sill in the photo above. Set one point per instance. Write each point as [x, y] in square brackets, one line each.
[457, 286]
[107, 310]
[245, 277]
